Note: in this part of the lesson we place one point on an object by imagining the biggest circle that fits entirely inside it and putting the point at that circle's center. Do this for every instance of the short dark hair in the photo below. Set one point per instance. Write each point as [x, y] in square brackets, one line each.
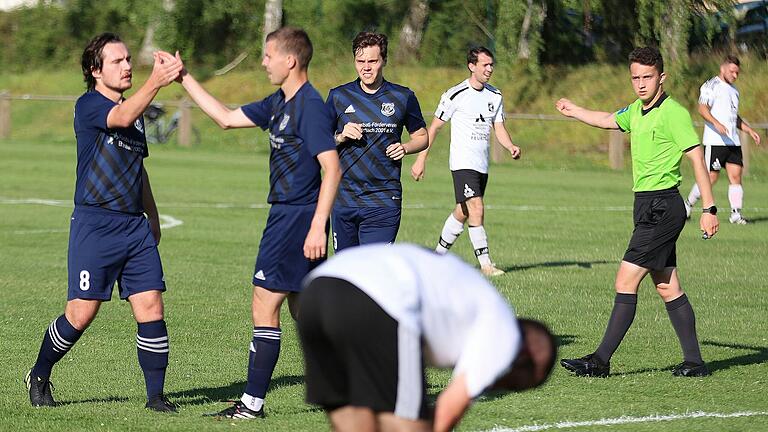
[295, 41]
[731, 59]
[535, 360]
[475, 52]
[92, 57]
[369, 39]
[647, 56]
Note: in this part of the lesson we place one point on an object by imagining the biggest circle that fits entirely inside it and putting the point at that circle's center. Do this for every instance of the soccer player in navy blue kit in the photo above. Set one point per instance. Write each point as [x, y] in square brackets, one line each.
[295, 238]
[369, 115]
[110, 239]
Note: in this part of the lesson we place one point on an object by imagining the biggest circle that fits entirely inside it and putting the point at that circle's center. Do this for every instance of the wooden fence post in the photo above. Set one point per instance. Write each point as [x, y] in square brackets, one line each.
[5, 115]
[185, 124]
[746, 144]
[616, 149]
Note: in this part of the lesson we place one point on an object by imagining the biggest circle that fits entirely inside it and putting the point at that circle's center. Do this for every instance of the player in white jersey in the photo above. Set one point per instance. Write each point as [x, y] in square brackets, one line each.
[476, 108]
[719, 105]
[370, 316]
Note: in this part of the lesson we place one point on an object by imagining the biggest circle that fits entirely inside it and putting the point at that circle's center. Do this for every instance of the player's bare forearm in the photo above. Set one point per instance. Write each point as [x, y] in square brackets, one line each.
[451, 405]
[706, 114]
[601, 119]
[225, 117]
[163, 73]
[743, 125]
[329, 162]
[150, 207]
[419, 141]
[434, 129]
[708, 222]
[502, 135]
[696, 156]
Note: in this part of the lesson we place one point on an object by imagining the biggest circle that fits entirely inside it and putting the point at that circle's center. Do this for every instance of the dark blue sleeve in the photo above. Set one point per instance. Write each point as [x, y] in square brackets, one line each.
[413, 118]
[91, 111]
[330, 104]
[316, 127]
[259, 112]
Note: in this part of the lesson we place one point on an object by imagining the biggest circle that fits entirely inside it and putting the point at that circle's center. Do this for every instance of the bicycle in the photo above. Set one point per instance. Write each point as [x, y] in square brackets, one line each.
[157, 130]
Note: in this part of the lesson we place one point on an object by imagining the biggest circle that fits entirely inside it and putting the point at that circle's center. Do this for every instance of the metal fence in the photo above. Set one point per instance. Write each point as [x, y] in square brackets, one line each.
[616, 141]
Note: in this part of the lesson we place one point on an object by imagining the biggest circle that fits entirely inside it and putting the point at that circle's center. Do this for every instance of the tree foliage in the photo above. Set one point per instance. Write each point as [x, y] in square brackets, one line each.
[524, 33]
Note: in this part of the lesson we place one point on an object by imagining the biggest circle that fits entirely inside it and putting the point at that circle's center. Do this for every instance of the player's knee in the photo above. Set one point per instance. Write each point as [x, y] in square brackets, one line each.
[668, 291]
[80, 322]
[624, 287]
[81, 314]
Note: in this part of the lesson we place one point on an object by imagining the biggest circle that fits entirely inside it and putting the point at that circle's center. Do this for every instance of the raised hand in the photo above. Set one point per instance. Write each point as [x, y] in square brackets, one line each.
[166, 68]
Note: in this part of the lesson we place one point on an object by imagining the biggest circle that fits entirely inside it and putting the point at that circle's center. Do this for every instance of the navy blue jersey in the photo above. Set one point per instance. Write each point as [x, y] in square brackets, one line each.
[369, 177]
[299, 130]
[109, 160]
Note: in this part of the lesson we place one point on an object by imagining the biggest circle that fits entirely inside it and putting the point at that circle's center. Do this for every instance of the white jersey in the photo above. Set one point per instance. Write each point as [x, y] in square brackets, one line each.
[461, 318]
[723, 102]
[473, 113]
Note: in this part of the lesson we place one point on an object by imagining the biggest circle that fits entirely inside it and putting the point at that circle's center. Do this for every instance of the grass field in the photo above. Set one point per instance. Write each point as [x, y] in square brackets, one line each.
[558, 233]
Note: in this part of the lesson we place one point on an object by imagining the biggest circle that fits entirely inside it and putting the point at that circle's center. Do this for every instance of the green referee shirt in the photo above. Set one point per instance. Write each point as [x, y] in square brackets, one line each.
[660, 136]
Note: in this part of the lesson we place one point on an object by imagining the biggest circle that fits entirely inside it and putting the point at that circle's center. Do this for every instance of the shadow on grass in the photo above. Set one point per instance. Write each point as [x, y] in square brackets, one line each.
[107, 399]
[581, 264]
[233, 391]
[758, 355]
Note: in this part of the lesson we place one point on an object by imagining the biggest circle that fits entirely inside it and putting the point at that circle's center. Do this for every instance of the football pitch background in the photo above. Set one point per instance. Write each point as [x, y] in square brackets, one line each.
[559, 234]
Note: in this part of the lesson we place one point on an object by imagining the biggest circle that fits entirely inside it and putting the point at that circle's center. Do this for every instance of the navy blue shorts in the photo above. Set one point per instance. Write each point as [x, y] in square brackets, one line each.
[354, 226]
[281, 264]
[107, 246]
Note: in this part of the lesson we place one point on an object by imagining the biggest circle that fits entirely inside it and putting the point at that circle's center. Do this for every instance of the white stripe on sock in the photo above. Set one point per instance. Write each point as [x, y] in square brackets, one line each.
[151, 340]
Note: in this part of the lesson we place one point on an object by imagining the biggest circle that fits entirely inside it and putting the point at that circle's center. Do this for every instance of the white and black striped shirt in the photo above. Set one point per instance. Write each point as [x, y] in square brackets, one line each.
[464, 322]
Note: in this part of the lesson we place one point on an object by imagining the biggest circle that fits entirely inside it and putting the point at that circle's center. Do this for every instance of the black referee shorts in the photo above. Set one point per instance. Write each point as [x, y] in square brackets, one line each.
[356, 354]
[659, 218]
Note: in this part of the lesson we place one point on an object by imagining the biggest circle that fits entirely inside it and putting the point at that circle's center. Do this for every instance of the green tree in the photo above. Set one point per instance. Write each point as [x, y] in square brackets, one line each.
[667, 24]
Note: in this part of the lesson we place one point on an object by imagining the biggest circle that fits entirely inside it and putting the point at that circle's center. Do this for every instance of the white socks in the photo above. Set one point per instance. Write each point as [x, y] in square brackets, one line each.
[480, 244]
[452, 229]
[736, 196]
[252, 402]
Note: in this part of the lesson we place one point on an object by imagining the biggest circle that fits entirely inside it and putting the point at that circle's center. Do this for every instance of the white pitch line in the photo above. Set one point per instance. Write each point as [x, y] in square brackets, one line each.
[166, 221]
[40, 231]
[627, 420]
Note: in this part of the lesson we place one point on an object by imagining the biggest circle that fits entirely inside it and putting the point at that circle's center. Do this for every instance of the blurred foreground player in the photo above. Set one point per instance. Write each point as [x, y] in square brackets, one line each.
[372, 314]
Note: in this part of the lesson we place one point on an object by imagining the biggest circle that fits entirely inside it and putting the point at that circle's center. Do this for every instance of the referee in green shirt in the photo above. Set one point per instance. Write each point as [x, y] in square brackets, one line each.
[662, 133]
